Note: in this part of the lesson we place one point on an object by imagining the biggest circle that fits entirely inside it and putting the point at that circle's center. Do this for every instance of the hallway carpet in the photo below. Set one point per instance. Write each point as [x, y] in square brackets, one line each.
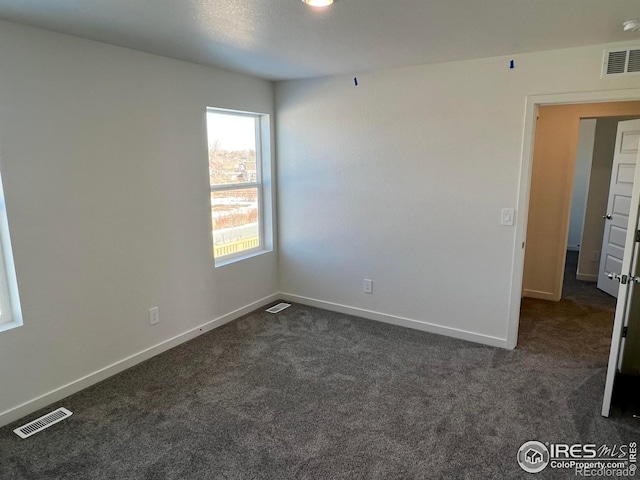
[583, 293]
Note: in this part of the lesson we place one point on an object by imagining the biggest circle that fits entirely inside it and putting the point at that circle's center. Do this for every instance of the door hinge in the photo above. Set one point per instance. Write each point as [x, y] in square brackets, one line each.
[637, 235]
[624, 332]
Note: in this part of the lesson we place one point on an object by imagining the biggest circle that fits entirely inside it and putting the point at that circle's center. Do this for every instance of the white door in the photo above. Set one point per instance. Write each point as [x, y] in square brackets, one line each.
[628, 281]
[617, 216]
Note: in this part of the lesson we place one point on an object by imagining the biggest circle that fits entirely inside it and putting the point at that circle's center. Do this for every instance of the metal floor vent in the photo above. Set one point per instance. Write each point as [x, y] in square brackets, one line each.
[278, 308]
[43, 422]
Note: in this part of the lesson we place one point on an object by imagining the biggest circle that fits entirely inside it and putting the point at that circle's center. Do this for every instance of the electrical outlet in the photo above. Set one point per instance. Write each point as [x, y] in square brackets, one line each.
[367, 286]
[154, 315]
[595, 256]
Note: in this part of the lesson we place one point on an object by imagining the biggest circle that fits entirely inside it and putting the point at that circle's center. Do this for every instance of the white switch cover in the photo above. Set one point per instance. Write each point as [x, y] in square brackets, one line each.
[154, 315]
[507, 216]
[367, 286]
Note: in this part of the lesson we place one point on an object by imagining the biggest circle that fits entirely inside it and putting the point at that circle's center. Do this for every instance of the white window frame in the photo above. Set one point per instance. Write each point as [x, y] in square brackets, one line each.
[10, 312]
[263, 175]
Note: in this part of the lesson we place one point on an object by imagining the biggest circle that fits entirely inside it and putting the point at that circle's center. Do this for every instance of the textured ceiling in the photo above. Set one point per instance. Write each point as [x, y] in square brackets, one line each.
[285, 39]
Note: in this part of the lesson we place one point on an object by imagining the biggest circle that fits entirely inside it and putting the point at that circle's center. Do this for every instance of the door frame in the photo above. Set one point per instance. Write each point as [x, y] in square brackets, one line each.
[524, 188]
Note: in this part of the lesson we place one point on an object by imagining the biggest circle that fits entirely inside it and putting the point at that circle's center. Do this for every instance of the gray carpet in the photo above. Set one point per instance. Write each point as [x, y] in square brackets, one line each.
[310, 394]
[583, 293]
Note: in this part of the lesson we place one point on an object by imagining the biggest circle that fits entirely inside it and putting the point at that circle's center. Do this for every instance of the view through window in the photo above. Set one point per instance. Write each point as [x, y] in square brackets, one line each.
[10, 312]
[236, 183]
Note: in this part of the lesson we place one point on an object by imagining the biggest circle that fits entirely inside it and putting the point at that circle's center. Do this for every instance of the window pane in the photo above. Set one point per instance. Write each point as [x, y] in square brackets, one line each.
[235, 221]
[232, 148]
[10, 313]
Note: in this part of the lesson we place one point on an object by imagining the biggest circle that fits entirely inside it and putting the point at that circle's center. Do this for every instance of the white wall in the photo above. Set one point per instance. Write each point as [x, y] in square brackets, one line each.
[401, 179]
[104, 160]
[581, 182]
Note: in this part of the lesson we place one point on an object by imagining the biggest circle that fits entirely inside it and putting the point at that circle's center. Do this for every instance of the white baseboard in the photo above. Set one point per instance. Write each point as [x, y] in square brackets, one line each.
[396, 320]
[586, 277]
[64, 391]
[539, 295]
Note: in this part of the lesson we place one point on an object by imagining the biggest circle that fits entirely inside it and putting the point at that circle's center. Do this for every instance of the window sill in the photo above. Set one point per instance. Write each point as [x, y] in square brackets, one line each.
[229, 260]
[10, 325]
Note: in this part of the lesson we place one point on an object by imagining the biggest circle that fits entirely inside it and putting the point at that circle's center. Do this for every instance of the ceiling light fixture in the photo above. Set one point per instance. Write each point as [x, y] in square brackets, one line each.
[632, 25]
[318, 3]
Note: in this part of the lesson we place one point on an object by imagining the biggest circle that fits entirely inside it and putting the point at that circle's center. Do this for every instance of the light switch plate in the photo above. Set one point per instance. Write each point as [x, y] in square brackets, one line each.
[507, 216]
[154, 316]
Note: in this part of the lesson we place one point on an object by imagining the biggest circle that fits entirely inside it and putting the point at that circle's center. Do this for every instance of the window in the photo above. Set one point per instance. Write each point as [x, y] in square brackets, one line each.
[10, 313]
[238, 167]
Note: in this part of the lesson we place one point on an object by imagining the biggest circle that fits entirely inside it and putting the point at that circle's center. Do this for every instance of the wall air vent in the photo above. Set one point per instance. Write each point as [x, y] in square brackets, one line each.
[621, 62]
[633, 65]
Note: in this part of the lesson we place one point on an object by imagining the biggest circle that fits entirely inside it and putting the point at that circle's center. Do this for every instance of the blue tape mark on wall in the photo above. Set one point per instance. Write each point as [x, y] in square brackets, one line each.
[355, 81]
[512, 64]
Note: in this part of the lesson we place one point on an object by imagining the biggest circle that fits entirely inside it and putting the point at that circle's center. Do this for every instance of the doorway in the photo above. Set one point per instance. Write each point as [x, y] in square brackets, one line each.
[533, 102]
[559, 178]
[551, 183]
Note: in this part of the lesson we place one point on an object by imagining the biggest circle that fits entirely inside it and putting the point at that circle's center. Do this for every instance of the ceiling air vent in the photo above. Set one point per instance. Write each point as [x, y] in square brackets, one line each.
[621, 62]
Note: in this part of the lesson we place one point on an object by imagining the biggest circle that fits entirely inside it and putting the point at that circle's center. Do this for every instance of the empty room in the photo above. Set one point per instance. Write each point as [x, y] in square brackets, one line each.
[317, 239]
